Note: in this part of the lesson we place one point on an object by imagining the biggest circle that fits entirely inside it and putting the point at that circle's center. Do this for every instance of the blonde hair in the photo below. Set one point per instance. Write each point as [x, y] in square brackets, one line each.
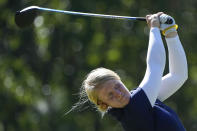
[93, 80]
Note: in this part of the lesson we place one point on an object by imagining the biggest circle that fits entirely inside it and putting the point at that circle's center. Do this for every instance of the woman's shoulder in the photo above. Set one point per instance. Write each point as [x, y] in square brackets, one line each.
[138, 102]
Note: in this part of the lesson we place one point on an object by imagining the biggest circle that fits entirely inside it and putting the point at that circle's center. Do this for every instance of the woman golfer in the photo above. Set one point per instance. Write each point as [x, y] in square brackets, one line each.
[143, 109]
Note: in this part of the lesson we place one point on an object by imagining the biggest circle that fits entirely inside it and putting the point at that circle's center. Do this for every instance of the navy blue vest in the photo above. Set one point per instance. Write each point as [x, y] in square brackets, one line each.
[139, 115]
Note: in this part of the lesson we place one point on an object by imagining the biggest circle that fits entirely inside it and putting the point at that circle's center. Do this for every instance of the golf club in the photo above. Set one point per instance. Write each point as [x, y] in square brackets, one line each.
[26, 16]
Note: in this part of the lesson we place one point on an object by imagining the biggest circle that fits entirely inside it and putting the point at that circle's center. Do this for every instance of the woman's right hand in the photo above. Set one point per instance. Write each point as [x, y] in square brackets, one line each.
[153, 20]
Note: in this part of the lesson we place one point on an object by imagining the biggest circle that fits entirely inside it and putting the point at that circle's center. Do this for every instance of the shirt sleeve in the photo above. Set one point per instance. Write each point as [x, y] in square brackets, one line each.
[155, 62]
[178, 70]
[137, 115]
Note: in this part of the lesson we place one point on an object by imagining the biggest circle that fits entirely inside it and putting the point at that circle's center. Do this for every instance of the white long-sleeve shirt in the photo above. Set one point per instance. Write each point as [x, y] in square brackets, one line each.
[154, 84]
[178, 70]
[155, 61]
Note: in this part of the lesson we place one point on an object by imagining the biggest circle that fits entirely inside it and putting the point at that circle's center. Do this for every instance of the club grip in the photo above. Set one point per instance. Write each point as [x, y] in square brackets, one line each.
[169, 21]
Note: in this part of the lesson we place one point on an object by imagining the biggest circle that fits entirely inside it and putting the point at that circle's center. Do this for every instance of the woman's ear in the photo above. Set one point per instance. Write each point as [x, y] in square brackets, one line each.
[102, 104]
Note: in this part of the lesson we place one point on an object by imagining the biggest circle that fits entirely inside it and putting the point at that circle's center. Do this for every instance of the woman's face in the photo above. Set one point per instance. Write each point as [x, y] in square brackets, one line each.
[113, 93]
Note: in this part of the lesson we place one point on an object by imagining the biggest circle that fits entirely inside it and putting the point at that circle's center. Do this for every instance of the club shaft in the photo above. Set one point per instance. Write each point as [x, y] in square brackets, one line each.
[93, 14]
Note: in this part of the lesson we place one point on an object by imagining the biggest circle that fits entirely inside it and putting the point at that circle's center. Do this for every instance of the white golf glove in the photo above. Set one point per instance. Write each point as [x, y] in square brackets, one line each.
[167, 28]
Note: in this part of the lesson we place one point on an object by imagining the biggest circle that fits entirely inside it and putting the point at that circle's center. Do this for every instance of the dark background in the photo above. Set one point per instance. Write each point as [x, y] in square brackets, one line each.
[42, 66]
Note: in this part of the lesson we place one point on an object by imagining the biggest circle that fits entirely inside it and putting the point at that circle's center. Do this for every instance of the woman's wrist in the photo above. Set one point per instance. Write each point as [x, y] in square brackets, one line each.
[171, 34]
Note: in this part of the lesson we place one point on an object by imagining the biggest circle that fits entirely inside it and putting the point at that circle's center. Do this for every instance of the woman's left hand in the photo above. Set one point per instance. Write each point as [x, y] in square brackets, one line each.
[153, 20]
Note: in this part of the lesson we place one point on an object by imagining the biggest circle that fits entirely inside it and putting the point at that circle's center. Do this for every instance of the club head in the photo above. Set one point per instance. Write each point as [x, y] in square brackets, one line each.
[26, 16]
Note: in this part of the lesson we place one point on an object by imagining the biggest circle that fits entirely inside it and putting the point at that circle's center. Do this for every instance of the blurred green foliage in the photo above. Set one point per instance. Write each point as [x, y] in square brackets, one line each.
[42, 66]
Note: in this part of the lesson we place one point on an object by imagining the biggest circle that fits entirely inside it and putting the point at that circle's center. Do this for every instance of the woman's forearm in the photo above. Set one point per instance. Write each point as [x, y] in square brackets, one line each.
[178, 70]
[177, 57]
[155, 66]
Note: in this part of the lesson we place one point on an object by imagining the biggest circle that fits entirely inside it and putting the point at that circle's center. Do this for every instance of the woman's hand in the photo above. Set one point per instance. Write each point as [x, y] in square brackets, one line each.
[168, 30]
[153, 20]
